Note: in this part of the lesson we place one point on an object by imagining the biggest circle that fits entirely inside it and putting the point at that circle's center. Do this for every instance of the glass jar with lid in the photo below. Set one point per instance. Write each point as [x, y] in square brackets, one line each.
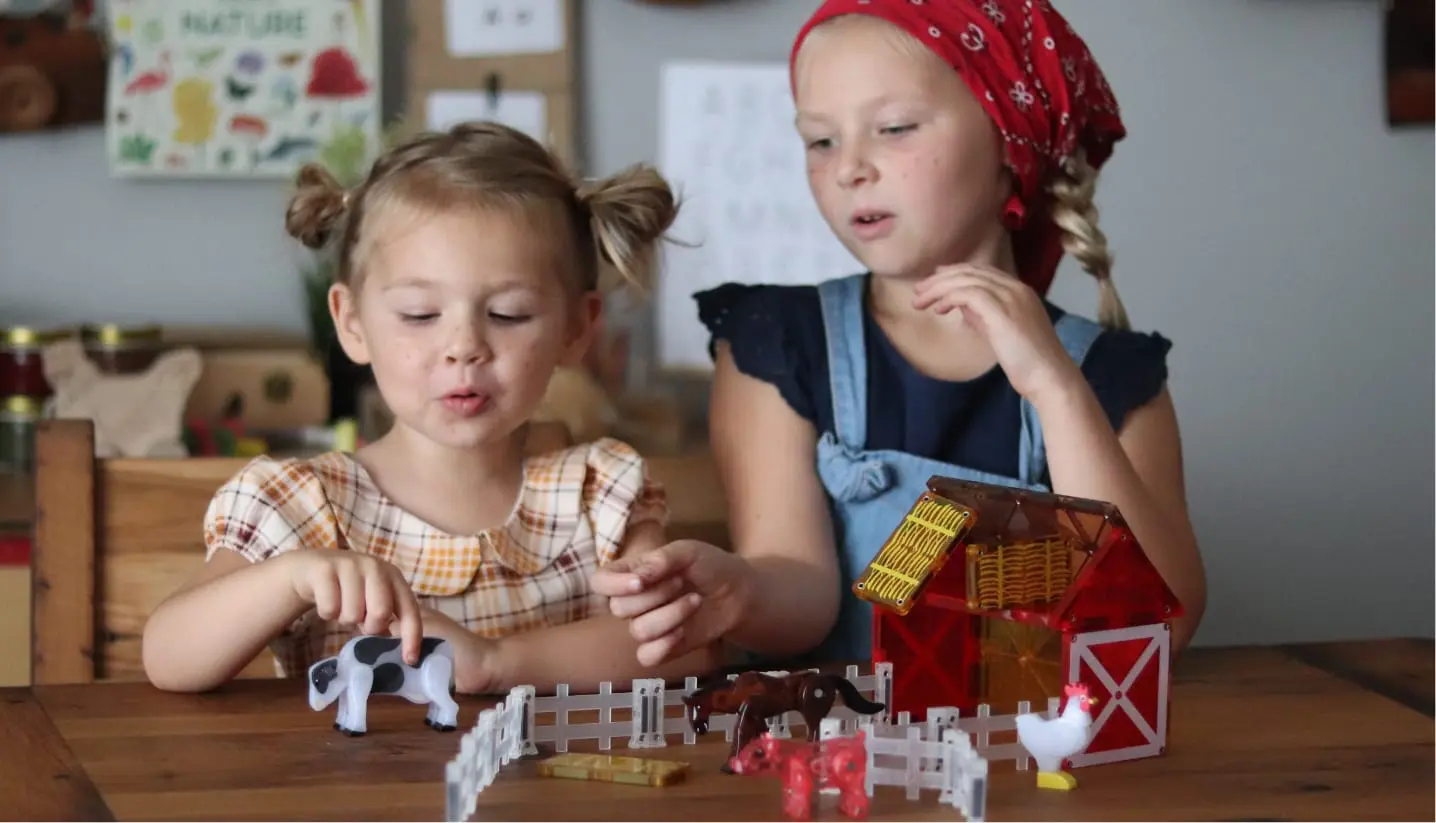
[22, 370]
[18, 416]
[120, 349]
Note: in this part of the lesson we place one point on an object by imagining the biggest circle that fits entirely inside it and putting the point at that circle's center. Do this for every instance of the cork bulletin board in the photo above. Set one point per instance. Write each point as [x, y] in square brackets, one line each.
[506, 60]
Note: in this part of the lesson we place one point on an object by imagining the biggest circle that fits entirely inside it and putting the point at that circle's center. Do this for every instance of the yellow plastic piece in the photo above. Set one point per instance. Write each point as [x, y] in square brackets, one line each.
[250, 447]
[346, 435]
[913, 554]
[1061, 781]
[1020, 574]
[612, 768]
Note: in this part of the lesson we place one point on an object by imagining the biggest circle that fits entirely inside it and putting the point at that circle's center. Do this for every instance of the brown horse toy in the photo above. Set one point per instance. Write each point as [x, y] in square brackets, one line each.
[755, 697]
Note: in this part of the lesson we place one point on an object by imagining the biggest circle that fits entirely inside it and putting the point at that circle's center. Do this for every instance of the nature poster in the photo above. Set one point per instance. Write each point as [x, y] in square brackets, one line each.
[230, 88]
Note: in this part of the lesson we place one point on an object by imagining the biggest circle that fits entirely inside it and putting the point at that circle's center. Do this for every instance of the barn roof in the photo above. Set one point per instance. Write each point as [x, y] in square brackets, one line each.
[1063, 562]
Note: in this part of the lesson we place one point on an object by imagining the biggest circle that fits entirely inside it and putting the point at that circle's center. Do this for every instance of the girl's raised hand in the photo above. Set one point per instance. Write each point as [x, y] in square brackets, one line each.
[1011, 316]
[677, 598]
[360, 591]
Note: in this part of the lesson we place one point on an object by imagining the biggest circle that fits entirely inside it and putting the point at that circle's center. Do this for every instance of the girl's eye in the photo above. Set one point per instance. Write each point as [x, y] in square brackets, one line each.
[499, 317]
[418, 318]
[899, 129]
[820, 143]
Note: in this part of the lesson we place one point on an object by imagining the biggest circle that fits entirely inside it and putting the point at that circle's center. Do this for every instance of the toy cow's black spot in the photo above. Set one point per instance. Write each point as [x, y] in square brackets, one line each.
[324, 674]
[388, 677]
[370, 649]
[427, 647]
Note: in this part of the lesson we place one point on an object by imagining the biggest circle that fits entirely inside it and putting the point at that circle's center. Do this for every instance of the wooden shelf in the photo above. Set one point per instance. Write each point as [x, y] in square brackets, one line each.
[17, 502]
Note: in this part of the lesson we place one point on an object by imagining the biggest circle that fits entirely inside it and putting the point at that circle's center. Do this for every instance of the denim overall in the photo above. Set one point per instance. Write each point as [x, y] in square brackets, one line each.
[873, 490]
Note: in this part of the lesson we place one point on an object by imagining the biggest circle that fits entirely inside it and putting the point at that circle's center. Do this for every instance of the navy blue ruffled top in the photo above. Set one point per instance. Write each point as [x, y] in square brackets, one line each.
[776, 335]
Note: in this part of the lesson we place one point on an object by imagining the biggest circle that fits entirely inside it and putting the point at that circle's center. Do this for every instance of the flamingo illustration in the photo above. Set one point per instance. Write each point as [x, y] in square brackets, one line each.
[152, 80]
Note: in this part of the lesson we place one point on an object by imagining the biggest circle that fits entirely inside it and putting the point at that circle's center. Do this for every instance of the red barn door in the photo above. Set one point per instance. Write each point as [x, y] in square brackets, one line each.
[1128, 671]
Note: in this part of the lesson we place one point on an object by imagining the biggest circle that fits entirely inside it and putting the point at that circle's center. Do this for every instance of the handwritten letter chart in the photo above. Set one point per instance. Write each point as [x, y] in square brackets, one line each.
[729, 146]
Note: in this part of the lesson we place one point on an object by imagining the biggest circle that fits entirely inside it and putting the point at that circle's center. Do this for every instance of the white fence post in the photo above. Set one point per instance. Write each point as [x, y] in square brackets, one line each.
[828, 729]
[939, 720]
[690, 685]
[648, 711]
[965, 776]
[869, 730]
[1023, 707]
[883, 690]
[527, 697]
[605, 716]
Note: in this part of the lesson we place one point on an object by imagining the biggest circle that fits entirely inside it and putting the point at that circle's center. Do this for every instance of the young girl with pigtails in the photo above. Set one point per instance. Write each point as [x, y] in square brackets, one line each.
[953, 148]
[468, 264]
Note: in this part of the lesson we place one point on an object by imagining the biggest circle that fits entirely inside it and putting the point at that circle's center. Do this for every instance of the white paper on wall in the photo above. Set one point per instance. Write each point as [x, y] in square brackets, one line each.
[526, 111]
[729, 146]
[480, 28]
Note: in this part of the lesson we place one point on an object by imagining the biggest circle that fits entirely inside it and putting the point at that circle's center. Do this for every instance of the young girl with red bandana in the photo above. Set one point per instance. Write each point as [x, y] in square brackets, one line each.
[953, 147]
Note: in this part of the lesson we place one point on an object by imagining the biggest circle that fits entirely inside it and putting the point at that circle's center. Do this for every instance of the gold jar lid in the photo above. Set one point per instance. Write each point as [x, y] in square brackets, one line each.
[20, 405]
[27, 337]
[112, 335]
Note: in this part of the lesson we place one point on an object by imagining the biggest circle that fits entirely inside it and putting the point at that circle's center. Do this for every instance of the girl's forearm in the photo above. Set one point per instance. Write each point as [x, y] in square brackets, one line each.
[203, 636]
[790, 609]
[582, 654]
[1086, 459]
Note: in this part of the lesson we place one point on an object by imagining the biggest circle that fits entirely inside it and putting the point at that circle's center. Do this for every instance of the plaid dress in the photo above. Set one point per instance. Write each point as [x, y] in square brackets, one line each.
[570, 517]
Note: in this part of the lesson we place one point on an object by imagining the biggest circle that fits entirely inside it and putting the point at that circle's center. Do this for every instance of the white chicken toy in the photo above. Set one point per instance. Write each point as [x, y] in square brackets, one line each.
[1052, 740]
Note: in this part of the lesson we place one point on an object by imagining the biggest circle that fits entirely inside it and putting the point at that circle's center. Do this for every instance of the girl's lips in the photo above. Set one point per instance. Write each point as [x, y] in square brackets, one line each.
[872, 225]
[465, 404]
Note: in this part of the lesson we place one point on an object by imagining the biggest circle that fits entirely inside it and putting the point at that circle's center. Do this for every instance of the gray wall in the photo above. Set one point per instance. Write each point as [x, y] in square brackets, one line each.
[1264, 217]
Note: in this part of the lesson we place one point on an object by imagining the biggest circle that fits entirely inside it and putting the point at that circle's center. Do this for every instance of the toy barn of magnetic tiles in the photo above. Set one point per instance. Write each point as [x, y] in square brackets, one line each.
[992, 595]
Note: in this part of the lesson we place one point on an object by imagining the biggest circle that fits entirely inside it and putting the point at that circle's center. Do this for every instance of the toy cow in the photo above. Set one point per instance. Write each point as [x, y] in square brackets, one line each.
[375, 665]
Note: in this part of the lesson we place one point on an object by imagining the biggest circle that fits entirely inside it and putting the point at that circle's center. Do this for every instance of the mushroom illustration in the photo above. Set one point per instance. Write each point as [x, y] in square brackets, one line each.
[252, 130]
[334, 76]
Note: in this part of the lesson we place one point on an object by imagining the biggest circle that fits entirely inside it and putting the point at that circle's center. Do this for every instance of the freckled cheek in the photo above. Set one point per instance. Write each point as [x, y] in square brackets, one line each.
[406, 358]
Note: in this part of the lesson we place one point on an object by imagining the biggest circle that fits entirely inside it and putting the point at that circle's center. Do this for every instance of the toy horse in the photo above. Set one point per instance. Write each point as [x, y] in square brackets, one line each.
[838, 762]
[375, 665]
[755, 697]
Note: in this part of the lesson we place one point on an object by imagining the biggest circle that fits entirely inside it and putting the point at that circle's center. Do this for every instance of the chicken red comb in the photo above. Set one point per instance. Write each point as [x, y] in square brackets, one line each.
[1075, 690]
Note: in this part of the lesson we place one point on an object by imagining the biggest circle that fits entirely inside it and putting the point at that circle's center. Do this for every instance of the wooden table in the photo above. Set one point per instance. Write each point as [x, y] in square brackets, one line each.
[1338, 731]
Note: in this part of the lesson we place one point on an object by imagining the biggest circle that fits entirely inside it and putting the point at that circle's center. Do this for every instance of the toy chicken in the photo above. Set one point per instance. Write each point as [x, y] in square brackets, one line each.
[1050, 741]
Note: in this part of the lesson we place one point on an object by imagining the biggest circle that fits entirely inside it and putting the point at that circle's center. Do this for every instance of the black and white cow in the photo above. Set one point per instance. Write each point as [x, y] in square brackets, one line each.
[375, 665]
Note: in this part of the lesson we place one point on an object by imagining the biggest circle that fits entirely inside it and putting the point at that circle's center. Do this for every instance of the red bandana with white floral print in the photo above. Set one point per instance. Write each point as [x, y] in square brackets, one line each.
[1037, 80]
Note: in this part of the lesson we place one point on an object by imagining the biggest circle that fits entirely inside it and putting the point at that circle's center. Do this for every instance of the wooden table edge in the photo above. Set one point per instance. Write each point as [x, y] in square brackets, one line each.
[51, 762]
[1333, 659]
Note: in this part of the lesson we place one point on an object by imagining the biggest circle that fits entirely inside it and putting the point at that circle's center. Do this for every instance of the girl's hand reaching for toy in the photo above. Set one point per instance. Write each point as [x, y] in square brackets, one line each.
[357, 590]
[1010, 315]
[677, 598]
[475, 657]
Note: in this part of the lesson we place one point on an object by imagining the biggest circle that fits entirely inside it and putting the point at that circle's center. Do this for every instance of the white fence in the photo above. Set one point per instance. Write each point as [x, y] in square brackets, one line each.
[649, 724]
[496, 738]
[949, 764]
[947, 752]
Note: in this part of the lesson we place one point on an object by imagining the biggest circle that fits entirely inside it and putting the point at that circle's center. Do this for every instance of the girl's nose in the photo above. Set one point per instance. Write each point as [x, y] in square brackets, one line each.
[468, 347]
[854, 168]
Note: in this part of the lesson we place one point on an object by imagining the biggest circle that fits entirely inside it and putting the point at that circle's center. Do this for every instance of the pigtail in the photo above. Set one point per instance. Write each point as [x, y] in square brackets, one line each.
[317, 207]
[1074, 212]
[629, 212]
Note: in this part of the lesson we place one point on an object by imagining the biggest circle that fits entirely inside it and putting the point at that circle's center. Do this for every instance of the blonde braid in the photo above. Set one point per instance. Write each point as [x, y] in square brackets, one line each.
[1074, 212]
